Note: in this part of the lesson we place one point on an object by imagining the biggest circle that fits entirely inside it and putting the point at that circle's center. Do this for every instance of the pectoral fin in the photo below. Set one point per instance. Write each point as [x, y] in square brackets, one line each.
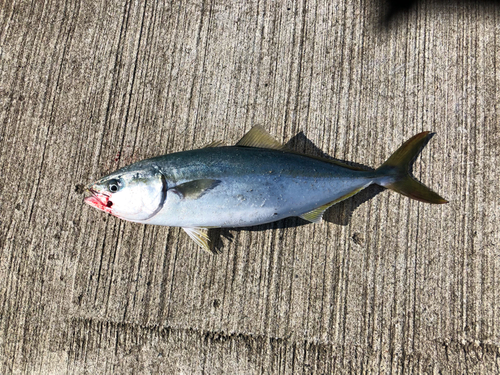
[200, 236]
[194, 189]
[316, 215]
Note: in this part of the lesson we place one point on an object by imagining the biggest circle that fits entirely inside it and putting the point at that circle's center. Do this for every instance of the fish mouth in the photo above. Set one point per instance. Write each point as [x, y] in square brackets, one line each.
[98, 200]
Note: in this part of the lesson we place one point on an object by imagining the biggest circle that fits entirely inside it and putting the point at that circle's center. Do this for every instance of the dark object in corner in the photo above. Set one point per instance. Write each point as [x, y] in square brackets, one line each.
[396, 8]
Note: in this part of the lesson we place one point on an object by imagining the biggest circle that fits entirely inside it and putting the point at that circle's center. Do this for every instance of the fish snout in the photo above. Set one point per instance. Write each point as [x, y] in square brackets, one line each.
[97, 199]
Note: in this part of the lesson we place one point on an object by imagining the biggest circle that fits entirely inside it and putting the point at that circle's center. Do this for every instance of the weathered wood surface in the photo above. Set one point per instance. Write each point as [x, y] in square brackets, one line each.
[385, 285]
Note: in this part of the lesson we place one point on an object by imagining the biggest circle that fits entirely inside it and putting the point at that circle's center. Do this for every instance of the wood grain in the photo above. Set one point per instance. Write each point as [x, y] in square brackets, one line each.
[385, 284]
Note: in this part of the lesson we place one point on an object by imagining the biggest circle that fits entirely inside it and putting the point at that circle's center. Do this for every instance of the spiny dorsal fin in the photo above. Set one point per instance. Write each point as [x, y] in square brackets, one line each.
[315, 216]
[214, 144]
[200, 236]
[194, 189]
[259, 137]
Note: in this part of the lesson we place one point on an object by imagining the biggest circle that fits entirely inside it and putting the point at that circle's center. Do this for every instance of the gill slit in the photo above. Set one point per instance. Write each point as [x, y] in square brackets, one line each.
[163, 196]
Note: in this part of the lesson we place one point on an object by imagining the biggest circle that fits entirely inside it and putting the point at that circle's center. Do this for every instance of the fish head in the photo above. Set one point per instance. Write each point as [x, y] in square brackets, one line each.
[134, 195]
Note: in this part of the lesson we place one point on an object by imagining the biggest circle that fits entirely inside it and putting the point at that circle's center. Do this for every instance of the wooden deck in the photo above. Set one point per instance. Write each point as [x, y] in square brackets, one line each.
[385, 284]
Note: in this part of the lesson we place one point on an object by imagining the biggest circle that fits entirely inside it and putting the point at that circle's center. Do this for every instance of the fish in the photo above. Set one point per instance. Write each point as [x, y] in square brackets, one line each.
[256, 181]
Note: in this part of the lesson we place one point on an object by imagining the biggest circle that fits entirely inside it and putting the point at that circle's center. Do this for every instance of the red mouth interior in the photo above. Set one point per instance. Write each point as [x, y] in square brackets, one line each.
[99, 201]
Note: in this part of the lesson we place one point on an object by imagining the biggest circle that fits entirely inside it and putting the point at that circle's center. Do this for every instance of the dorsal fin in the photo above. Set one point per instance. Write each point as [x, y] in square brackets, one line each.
[259, 137]
[214, 144]
[336, 162]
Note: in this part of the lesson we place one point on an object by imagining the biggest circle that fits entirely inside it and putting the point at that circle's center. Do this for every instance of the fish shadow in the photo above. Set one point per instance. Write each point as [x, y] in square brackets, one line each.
[339, 214]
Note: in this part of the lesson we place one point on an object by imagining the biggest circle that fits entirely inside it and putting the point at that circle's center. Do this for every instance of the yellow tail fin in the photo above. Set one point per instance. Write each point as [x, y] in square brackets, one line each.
[398, 168]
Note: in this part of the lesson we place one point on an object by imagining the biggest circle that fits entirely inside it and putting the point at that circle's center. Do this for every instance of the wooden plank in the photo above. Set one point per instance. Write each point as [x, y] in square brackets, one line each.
[385, 284]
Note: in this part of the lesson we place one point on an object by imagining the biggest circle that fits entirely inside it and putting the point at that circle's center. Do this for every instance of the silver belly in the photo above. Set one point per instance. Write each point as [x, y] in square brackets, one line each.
[253, 200]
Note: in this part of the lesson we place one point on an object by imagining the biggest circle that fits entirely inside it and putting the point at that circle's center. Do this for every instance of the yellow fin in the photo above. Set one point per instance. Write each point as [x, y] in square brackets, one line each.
[200, 236]
[315, 216]
[398, 166]
[259, 137]
[214, 144]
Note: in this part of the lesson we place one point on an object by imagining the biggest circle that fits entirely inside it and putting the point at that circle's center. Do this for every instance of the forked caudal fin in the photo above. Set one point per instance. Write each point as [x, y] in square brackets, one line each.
[397, 168]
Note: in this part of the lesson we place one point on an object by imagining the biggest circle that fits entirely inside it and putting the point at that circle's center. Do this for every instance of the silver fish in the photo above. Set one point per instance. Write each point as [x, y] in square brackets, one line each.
[257, 181]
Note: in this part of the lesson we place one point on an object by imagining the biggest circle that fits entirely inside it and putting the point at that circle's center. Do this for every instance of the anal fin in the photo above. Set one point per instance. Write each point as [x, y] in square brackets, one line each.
[315, 216]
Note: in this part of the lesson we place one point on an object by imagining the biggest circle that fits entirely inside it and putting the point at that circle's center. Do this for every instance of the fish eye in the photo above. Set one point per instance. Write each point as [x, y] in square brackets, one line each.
[114, 186]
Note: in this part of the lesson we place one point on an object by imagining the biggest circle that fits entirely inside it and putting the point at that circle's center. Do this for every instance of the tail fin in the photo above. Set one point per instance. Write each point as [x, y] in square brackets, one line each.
[398, 168]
